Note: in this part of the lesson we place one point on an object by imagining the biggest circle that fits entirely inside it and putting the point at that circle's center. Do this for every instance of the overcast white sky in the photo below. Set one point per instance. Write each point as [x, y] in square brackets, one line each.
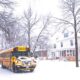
[41, 7]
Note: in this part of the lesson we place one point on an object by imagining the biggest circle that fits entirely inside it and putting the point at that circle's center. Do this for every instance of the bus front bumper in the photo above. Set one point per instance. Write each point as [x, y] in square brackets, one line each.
[25, 68]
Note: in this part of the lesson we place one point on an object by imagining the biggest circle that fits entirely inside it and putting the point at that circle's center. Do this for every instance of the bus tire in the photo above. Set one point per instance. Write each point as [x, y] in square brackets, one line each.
[31, 70]
[14, 69]
[3, 66]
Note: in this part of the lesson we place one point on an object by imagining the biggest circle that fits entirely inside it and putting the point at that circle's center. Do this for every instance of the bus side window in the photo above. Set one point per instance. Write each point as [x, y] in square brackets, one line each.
[8, 55]
[3, 55]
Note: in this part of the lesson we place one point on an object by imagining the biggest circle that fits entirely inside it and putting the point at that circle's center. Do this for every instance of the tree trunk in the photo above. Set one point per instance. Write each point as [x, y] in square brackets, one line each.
[76, 43]
[29, 39]
[76, 49]
[29, 30]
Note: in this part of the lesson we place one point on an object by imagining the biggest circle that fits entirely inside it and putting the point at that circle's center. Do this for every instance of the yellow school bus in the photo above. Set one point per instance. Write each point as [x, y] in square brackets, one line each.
[18, 59]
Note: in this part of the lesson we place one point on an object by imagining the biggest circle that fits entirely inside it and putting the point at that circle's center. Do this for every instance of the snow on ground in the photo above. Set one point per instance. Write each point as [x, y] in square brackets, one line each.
[45, 70]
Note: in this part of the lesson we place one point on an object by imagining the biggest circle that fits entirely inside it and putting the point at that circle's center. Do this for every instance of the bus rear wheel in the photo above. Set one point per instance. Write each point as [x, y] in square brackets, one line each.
[3, 66]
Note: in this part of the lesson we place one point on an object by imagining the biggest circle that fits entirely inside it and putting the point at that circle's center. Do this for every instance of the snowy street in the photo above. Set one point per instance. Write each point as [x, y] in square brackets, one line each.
[45, 70]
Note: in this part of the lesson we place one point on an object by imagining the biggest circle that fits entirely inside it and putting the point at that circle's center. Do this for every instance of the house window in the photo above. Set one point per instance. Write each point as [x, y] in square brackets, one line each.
[73, 52]
[53, 54]
[65, 34]
[71, 42]
[64, 53]
[60, 53]
[54, 45]
[61, 44]
[67, 51]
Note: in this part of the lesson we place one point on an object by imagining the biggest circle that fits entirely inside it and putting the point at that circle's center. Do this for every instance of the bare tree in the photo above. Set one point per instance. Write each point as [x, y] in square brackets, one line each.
[42, 42]
[7, 6]
[71, 10]
[6, 3]
[8, 27]
[46, 22]
[30, 21]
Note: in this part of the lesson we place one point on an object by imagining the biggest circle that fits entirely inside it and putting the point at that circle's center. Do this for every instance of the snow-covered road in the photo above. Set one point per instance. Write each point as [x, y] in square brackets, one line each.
[45, 70]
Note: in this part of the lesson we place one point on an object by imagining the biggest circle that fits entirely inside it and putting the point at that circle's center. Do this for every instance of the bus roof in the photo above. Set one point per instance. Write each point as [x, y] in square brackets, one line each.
[8, 50]
[20, 48]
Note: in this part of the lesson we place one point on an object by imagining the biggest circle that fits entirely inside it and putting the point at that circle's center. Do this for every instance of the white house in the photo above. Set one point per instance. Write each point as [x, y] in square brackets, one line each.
[63, 44]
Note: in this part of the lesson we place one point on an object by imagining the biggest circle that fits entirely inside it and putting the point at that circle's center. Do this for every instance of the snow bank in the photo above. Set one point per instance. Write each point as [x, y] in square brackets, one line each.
[45, 70]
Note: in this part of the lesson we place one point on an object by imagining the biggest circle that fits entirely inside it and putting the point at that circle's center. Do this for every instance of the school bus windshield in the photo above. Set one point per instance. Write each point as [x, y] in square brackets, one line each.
[22, 54]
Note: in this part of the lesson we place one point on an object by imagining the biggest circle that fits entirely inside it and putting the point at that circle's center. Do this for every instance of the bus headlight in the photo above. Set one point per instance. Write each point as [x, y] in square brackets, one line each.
[18, 62]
